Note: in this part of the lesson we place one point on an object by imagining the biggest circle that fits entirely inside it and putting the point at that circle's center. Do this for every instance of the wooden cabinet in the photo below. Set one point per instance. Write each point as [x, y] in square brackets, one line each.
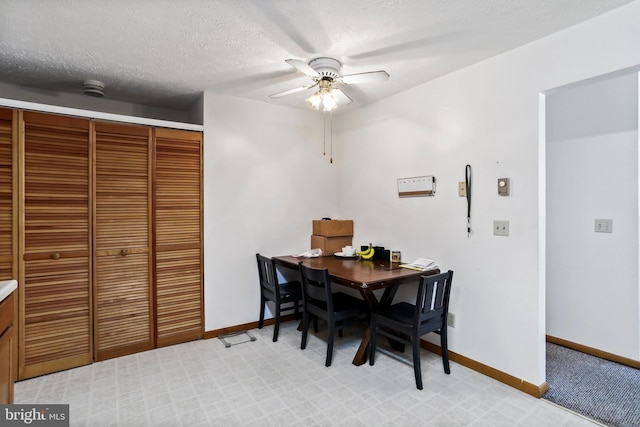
[123, 292]
[178, 237]
[55, 244]
[7, 350]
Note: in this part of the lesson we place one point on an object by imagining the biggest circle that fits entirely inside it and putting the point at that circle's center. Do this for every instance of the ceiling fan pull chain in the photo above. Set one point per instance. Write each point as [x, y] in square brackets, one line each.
[324, 130]
[331, 134]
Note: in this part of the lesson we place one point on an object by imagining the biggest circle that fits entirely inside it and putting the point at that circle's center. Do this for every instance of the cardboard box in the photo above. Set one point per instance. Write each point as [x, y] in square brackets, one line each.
[333, 227]
[330, 245]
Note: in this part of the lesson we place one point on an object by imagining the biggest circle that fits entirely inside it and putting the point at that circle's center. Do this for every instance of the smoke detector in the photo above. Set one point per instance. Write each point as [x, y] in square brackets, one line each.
[93, 88]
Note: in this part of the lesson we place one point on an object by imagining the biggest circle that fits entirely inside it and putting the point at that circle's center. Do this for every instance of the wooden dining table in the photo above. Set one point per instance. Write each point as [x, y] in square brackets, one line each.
[365, 276]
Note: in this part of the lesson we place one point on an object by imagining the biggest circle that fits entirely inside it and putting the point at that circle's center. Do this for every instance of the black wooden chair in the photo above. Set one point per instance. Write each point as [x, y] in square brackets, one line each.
[280, 293]
[319, 301]
[406, 323]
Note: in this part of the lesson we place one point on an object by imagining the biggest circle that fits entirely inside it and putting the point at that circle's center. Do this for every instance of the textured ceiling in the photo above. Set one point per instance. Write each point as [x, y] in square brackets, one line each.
[164, 53]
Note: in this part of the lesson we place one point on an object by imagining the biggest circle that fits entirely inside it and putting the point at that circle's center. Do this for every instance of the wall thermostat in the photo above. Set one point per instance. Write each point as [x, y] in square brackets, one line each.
[503, 186]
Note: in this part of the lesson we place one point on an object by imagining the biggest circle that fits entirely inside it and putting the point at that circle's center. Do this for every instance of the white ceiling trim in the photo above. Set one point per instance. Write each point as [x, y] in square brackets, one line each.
[33, 106]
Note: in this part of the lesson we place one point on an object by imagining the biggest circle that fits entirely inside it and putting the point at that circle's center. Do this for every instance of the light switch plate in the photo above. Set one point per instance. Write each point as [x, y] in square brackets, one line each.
[462, 189]
[604, 226]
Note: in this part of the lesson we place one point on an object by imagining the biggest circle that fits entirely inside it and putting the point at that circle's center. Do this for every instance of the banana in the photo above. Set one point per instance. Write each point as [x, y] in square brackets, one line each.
[366, 251]
[367, 254]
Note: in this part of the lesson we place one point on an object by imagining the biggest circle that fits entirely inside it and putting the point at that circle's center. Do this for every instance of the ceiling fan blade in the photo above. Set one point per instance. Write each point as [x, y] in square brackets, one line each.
[342, 98]
[302, 66]
[370, 77]
[291, 91]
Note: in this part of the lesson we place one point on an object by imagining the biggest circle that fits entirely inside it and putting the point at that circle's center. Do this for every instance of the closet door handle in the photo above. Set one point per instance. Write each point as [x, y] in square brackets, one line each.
[124, 252]
[55, 255]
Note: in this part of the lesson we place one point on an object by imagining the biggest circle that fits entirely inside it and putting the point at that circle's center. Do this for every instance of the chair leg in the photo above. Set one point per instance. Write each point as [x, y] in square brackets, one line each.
[415, 343]
[444, 350]
[263, 301]
[332, 332]
[276, 326]
[305, 328]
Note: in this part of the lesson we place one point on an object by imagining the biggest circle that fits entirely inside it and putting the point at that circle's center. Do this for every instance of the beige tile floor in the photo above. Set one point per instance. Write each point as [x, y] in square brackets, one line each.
[262, 383]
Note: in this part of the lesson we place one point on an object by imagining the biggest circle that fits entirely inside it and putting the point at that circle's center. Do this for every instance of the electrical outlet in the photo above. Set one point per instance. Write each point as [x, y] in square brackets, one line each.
[500, 228]
[462, 189]
[451, 320]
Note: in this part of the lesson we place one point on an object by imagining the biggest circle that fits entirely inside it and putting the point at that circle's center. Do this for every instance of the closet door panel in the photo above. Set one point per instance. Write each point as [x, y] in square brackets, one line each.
[123, 314]
[178, 244]
[179, 293]
[6, 196]
[55, 308]
[123, 268]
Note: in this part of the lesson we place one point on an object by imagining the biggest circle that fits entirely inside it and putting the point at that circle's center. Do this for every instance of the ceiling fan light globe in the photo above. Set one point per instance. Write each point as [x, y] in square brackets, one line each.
[314, 101]
[329, 102]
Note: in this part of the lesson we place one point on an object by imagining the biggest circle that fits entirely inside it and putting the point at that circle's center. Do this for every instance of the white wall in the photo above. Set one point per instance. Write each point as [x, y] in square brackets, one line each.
[485, 115]
[265, 180]
[592, 172]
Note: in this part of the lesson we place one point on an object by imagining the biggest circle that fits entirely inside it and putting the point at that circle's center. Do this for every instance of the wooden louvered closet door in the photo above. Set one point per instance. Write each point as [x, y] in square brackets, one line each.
[178, 244]
[8, 243]
[123, 293]
[55, 311]
[8, 223]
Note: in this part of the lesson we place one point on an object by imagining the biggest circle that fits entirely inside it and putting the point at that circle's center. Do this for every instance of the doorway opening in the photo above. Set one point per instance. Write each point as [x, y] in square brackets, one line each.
[590, 219]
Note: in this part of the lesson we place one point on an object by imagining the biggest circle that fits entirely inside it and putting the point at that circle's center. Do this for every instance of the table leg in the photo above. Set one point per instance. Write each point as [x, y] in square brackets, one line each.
[385, 302]
[362, 355]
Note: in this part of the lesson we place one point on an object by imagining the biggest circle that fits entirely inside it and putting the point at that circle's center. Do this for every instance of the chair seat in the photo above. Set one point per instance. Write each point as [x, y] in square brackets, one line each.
[290, 290]
[402, 316]
[347, 303]
[402, 312]
[343, 305]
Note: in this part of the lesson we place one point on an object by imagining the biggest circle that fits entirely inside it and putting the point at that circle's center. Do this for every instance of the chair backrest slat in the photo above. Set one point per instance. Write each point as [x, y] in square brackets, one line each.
[316, 284]
[267, 274]
[433, 297]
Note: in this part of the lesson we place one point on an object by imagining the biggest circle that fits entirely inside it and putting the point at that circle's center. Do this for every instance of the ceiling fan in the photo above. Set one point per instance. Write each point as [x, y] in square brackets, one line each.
[325, 73]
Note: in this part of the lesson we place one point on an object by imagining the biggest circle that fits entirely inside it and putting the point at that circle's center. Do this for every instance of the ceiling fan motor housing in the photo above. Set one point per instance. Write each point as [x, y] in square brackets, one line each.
[328, 68]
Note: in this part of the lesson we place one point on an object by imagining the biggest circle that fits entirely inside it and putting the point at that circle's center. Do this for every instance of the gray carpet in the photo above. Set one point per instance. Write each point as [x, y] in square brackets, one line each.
[599, 389]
